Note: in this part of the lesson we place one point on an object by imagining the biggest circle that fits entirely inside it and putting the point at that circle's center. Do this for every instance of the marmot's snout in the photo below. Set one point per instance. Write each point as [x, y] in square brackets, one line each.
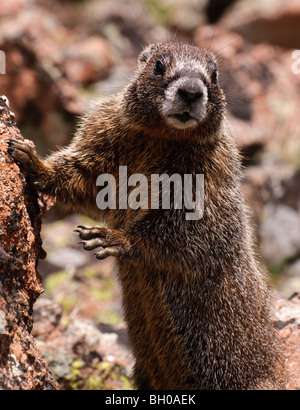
[185, 102]
[190, 91]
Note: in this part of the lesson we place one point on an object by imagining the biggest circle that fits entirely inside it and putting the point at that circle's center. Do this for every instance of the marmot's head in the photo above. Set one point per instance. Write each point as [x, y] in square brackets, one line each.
[176, 87]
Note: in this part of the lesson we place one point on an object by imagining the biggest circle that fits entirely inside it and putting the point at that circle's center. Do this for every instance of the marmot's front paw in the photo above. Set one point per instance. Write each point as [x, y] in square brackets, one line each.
[112, 241]
[23, 152]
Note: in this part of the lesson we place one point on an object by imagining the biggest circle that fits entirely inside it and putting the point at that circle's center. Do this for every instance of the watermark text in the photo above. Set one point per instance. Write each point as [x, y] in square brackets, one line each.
[296, 63]
[2, 62]
[159, 192]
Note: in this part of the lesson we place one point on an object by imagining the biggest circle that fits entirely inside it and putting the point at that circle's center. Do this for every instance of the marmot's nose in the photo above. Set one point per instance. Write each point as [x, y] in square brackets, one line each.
[190, 90]
[189, 95]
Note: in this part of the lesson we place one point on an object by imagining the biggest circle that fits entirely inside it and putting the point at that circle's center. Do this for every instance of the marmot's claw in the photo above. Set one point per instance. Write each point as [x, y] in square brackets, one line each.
[112, 241]
[21, 150]
[104, 253]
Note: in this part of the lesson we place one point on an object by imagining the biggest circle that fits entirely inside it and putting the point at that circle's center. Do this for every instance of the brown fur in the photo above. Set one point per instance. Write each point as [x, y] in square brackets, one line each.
[195, 301]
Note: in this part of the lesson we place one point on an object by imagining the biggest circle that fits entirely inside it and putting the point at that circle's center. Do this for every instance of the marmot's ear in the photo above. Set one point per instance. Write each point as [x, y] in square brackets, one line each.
[145, 54]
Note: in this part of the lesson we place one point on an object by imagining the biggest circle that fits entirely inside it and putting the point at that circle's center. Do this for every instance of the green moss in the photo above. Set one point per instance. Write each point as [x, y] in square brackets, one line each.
[103, 293]
[277, 268]
[104, 366]
[94, 382]
[89, 272]
[108, 317]
[68, 303]
[104, 376]
[54, 280]
[108, 377]
[60, 287]
[127, 385]
[77, 364]
[159, 11]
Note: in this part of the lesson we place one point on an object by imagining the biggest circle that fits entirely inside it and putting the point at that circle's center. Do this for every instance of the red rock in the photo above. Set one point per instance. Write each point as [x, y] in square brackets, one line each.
[277, 22]
[261, 89]
[288, 314]
[88, 60]
[21, 364]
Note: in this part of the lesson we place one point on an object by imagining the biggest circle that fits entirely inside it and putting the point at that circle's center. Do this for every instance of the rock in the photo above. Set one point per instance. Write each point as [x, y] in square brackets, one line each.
[261, 90]
[291, 191]
[40, 96]
[46, 66]
[185, 17]
[66, 258]
[88, 60]
[264, 183]
[80, 354]
[126, 23]
[215, 8]
[12, 7]
[21, 364]
[47, 316]
[294, 269]
[288, 324]
[279, 233]
[289, 281]
[275, 22]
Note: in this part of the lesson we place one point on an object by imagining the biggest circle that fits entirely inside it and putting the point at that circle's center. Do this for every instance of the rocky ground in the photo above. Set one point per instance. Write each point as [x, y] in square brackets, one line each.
[76, 51]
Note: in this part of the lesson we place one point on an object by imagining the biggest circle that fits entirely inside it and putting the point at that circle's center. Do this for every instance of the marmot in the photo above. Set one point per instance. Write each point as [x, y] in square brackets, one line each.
[196, 303]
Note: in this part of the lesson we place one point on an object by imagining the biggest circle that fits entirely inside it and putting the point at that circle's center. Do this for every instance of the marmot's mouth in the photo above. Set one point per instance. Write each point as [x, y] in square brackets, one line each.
[183, 117]
[182, 121]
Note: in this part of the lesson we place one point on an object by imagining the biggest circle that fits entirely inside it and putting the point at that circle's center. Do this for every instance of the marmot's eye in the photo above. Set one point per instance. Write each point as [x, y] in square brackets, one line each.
[214, 77]
[159, 67]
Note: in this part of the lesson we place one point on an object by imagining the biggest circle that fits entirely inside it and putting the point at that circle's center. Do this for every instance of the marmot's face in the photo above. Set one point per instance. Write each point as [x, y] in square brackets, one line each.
[177, 84]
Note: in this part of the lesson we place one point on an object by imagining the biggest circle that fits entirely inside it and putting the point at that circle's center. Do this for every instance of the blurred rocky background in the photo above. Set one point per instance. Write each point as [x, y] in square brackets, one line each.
[62, 54]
